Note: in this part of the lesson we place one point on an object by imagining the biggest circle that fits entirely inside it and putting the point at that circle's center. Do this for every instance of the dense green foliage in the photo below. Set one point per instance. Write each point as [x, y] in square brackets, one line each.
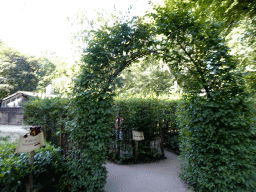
[147, 76]
[243, 46]
[150, 114]
[231, 12]
[215, 121]
[215, 157]
[49, 169]
[20, 72]
[196, 53]
[216, 130]
[17, 71]
[239, 19]
[51, 114]
[58, 72]
[108, 53]
[172, 141]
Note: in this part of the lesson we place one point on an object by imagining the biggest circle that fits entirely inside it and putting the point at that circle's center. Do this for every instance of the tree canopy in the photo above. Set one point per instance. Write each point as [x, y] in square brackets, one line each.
[146, 76]
[230, 12]
[20, 72]
[17, 71]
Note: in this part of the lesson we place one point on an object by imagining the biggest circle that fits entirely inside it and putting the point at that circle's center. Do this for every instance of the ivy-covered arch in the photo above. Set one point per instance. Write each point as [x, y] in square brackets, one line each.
[215, 134]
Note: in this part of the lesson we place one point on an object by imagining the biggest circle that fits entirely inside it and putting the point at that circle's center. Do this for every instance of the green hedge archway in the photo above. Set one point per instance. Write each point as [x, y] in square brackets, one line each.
[216, 128]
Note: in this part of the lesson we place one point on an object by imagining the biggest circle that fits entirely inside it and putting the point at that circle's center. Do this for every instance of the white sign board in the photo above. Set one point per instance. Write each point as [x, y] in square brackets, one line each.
[30, 143]
[137, 135]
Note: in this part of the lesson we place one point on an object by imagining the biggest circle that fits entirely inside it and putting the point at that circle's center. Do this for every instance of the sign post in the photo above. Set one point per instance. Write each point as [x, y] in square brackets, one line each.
[28, 143]
[31, 163]
[136, 149]
[137, 136]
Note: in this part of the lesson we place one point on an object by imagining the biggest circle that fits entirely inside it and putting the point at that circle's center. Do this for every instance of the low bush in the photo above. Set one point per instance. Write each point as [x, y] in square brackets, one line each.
[49, 169]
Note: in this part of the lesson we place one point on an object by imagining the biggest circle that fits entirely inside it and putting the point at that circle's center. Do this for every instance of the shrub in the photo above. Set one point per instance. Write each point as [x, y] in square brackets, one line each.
[51, 114]
[49, 169]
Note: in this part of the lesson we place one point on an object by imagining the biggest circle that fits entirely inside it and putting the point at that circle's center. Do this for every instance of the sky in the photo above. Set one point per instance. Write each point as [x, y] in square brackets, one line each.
[35, 26]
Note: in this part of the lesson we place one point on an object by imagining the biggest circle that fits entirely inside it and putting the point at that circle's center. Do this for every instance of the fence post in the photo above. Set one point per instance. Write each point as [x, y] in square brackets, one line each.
[118, 135]
[44, 129]
[8, 118]
[136, 150]
[162, 138]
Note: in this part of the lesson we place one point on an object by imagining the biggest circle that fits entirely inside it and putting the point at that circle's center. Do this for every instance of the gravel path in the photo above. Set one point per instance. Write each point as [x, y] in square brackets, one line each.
[13, 128]
[13, 131]
[161, 176]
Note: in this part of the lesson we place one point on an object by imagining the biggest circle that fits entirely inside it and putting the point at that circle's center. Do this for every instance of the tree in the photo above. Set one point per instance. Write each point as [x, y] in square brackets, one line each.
[17, 71]
[145, 76]
[243, 46]
[27, 73]
[238, 19]
[54, 70]
[44, 73]
[231, 12]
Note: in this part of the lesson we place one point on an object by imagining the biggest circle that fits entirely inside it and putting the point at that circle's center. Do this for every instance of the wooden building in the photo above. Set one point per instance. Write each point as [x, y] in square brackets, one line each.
[11, 112]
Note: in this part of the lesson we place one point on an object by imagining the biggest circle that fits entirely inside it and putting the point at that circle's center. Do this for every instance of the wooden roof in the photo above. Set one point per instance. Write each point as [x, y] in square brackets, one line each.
[28, 94]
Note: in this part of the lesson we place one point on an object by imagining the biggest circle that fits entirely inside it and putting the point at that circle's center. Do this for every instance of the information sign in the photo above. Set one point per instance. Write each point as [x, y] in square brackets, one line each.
[30, 143]
[137, 135]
